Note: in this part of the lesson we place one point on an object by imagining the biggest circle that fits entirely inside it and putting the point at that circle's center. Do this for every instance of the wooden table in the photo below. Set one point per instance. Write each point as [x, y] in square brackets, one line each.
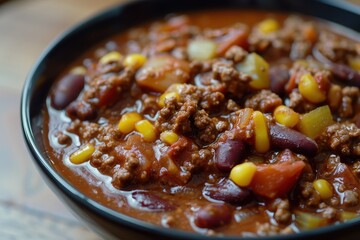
[28, 209]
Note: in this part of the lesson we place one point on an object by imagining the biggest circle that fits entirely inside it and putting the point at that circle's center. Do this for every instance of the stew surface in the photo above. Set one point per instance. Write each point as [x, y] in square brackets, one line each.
[219, 122]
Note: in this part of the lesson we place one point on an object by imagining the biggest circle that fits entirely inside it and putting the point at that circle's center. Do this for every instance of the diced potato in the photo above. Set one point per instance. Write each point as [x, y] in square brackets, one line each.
[161, 71]
[202, 49]
[255, 66]
[308, 221]
[313, 123]
[346, 215]
[83, 154]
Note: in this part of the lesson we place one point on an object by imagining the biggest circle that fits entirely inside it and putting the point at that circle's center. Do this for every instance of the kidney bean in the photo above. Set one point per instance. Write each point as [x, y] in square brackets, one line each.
[283, 137]
[107, 95]
[346, 74]
[279, 76]
[228, 154]
[67, 90]
[213, 215]
[227, 191]
[152, 201]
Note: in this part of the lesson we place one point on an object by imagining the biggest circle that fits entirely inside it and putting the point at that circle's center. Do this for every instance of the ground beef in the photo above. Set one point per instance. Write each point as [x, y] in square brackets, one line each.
[63, 139]
[236, 54]
[206, 127]
[191, 114]
[335, 48]
[329, 213]
[351, 198]
[282, 213]
[343, 138]
[309, 194]
[350, 97]
[295, 99]
[236, 83]
[264, 101]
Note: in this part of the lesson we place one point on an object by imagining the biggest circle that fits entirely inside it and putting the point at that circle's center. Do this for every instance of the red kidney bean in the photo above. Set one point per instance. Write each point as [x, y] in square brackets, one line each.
[343, 72]
[279, 76]
[107, 95]
[228, 154]
[67, 90]
[227, 191]
[152, 201]
[283, 137]
[346, 74]
[213, 215]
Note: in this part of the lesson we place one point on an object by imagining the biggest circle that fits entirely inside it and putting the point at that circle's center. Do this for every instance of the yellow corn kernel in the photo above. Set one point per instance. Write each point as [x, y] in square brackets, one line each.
[110, 57]
[268, 26]
[167, 95]
[286, 116]
[135, 60]
[310, 90]
[79, 70]
[324, 188]
[243, 173]
[169, 137]
[83, 154]
[128, 121]
[262, 141]
[354, 63]
[147, 130]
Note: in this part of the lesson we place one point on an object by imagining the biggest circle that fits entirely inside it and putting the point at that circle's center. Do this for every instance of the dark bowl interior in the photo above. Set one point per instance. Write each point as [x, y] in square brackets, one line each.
[106, 222]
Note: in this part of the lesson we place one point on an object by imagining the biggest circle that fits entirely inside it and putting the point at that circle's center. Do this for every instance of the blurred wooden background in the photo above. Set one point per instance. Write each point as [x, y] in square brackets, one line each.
[28, 209]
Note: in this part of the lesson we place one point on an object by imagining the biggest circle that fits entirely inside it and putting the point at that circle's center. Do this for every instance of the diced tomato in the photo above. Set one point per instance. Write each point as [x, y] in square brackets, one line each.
[237, 37]
[276, 180]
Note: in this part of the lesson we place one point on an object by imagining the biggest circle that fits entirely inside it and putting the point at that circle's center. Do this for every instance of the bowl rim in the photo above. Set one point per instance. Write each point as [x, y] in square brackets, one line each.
[43, 163]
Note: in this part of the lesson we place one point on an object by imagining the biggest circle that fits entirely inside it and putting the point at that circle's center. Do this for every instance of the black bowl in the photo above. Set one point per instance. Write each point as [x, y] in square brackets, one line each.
[106, 222]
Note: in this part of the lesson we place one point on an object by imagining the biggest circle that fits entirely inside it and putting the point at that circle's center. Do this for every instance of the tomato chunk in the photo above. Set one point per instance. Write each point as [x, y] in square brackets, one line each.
[276, 180]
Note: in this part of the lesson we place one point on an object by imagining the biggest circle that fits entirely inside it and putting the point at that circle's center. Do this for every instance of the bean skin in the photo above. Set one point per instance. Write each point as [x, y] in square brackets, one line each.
[279, 76]
[228, 154]
[152, 202]
[67, 90]
[227, 191]
[346, 74]
[282, 137]
[213, 216]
